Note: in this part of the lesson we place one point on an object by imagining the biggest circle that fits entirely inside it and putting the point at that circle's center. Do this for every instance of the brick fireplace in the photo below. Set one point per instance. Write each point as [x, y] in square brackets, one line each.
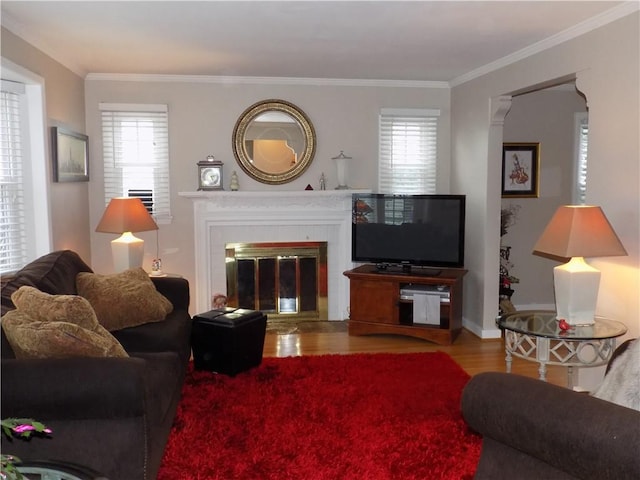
[222, 218]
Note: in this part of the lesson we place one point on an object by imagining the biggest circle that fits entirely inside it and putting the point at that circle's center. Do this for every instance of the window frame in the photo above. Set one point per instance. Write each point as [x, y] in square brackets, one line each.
[36, 168]
[159, 180]
[427, 120]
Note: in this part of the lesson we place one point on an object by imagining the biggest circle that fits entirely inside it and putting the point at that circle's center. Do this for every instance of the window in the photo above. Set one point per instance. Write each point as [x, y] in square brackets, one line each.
[25, 231]
[407, 151]
[136, 155]
[581, 149]
[13, 254]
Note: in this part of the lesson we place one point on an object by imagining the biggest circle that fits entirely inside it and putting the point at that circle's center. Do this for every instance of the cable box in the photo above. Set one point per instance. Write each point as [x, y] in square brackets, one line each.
[442, 291]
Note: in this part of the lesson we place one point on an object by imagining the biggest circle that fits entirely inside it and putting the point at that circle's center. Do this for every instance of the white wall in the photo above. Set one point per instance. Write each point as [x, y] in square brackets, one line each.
[202, 115]
[606, 65]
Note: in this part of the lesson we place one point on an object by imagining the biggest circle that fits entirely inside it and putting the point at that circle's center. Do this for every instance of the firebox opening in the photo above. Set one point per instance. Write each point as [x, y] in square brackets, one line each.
[285, 280]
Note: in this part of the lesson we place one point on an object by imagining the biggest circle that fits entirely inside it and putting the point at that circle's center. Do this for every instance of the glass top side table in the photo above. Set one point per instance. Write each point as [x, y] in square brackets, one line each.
[50, 470]
[534, 335]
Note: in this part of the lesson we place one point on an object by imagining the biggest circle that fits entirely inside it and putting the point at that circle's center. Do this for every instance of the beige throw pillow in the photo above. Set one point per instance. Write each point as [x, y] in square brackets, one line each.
[43, 307]
[56, 326]
[125, 299]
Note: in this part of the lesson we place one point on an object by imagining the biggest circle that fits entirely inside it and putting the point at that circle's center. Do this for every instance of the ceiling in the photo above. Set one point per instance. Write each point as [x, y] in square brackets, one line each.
[425, 41]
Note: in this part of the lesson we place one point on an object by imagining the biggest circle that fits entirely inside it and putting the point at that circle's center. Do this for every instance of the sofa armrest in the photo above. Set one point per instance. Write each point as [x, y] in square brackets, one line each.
[73, 388]
[176, 290]
[573, 432]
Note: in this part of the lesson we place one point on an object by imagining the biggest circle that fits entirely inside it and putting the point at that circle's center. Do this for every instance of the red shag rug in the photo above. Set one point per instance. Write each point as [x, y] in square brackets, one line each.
[347, 417]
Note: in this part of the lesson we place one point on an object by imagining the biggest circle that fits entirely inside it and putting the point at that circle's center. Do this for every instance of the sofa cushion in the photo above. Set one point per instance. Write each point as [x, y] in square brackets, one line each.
[171, 335]
[123, 299]
[53, 273]
[56, 326]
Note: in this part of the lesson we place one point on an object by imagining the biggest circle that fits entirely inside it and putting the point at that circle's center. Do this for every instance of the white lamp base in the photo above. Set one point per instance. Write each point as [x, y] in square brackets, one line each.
[576, 285]
[127, 251]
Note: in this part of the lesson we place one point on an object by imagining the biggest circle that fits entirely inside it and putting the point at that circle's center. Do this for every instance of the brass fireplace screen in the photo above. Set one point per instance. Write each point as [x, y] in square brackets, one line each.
[283, 280]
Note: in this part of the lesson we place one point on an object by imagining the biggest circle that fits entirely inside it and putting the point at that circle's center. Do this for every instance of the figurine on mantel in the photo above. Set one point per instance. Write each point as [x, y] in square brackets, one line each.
[235, 184]
[323, 182]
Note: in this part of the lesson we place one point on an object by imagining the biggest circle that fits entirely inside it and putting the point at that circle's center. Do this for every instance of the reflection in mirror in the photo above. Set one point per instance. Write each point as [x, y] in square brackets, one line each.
[274, 141]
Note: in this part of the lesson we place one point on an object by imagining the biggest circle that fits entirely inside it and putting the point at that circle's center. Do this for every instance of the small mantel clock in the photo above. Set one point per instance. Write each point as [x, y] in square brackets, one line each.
[210, 174]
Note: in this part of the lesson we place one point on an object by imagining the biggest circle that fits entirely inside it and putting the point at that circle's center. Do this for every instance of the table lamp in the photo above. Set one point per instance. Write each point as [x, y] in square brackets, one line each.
[575, 232]
[126, 215]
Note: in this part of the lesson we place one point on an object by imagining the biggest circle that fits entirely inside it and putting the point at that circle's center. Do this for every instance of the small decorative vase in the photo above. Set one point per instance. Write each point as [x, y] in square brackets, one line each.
[235, 184]
[341, 166]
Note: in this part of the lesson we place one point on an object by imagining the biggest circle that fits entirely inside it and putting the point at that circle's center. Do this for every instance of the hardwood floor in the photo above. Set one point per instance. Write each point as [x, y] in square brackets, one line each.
[473, 354]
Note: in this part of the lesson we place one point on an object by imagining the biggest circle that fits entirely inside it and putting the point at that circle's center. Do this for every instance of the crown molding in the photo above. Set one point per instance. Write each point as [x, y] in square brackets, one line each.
[615, 13]
[237, 80]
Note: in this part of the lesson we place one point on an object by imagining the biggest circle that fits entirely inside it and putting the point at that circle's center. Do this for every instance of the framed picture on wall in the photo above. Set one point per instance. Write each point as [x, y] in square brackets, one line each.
[70, 152]
[520, 169]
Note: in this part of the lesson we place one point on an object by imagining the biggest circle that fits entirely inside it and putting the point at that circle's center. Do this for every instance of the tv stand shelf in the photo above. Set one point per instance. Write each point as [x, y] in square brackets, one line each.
[376, 306]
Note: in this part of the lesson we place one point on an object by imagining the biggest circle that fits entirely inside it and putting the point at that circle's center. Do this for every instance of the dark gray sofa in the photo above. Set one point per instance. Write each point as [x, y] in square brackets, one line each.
[112, 415]
[534, 430]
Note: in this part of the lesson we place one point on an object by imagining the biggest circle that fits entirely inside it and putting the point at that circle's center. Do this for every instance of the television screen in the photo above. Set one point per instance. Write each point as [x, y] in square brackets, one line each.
[421, 230]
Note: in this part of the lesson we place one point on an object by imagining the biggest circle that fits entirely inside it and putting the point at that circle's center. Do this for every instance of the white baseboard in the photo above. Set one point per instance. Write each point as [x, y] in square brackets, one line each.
[486, 333]
[483, 333]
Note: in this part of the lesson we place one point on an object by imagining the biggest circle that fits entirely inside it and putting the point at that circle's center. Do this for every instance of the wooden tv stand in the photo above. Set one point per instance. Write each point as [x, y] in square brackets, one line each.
[376, 306]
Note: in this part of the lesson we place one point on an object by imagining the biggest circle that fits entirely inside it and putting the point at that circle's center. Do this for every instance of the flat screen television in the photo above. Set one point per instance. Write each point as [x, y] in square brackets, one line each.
[408, 230]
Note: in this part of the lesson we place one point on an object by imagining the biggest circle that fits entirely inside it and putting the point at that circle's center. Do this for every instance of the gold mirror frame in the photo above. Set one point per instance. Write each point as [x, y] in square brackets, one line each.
[239, 144]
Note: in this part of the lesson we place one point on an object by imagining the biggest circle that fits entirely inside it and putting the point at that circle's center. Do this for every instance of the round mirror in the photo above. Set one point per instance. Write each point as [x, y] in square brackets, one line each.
[274, 141]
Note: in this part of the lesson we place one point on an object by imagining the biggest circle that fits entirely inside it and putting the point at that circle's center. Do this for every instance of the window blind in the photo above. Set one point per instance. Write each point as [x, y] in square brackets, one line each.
[408, 151]
[136, 154]
[13, 251]
[581, 161]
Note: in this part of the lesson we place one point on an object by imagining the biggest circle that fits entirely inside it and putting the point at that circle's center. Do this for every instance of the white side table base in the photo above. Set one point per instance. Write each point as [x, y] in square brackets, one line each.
[564, 352]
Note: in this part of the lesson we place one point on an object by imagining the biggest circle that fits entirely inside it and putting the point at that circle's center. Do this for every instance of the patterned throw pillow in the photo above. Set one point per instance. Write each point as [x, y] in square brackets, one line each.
[123, 300]
[56, 326]
[43, 307]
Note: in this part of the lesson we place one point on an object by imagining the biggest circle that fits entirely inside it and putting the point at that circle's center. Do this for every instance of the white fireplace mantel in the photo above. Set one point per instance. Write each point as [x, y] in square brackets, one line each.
[222, 217]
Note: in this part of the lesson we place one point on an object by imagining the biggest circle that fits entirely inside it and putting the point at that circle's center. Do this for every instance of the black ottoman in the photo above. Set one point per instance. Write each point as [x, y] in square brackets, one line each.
[228, 340]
